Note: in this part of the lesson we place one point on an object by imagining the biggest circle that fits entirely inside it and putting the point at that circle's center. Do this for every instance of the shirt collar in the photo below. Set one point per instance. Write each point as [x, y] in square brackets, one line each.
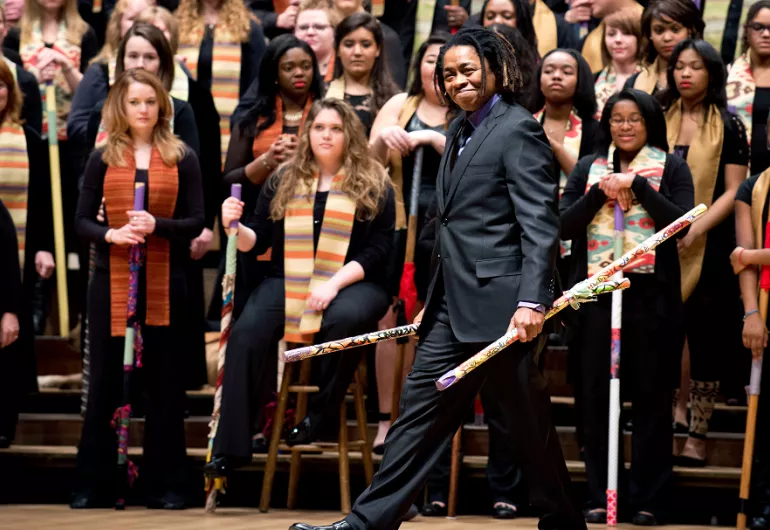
[478, 116]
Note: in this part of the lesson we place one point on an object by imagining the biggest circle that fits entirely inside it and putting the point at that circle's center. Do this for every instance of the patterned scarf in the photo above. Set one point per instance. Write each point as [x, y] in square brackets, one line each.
[648, 163]
[225, 80]
[28, 50]
[304, 270]
[605, 88]
[265, 139]
[396, 161]
[14, 179]
[647, 80]
[545, 28]
[163, 186]
[703, 159]
[740, 92]
[572, 138]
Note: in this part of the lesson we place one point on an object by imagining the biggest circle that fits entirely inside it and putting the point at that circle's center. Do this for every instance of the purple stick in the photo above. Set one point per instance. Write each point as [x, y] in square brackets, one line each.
[235, 191]
[139, 196]
[619, 217]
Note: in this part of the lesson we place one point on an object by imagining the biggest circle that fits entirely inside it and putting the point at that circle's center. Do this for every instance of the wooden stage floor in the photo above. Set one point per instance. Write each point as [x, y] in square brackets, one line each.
[58, 517]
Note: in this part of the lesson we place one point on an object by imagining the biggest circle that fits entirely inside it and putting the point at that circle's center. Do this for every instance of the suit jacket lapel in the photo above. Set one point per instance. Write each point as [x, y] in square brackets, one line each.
[444, 173]
[457, 173]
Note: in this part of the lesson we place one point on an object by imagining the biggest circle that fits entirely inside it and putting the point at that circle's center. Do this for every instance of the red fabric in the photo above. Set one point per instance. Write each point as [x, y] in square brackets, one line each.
[764, 279]
[408, 290]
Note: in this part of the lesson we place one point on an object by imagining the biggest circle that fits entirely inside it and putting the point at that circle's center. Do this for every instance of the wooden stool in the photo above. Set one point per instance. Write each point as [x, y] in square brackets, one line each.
[302, 388]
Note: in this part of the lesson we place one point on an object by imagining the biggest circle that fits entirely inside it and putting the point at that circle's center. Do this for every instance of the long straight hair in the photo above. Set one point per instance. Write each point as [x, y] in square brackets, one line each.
[157, 40]
[33, 12]
[683, 12]
[584, 98]
[12, 110]
[715, 91]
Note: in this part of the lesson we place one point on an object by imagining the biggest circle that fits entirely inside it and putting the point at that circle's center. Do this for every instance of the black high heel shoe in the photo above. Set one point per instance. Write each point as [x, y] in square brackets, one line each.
[301, 434]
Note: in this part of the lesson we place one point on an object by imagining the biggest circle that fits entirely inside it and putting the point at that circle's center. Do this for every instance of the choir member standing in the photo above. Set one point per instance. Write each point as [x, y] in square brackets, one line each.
[620, 53]
[140, 148]
[334, 196]
[714, 144]
[25, 189]
[654, 189]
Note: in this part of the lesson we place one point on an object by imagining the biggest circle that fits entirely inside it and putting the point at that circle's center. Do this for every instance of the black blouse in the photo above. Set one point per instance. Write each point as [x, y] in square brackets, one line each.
[186, 223]
[11, 293]
[371, 242]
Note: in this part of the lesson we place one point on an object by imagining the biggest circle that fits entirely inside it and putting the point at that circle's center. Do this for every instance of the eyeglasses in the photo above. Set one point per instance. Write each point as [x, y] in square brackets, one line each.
[317, 27]
[634, 119]
[758, 27]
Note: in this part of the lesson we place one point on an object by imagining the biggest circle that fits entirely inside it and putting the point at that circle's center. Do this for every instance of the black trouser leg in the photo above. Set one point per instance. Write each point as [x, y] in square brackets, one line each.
[760, 473]
[246, 368]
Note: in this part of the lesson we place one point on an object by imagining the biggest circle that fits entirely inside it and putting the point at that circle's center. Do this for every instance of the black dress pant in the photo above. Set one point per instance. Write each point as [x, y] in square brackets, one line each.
[428, 419]
[161, 382]
[503, 473]
[650, 355]
[760, 473]
[250, 358]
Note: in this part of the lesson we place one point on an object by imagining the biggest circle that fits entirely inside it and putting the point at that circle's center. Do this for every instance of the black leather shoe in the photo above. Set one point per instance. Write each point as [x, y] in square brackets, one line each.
[85, 502]
[645, 519]
[596, 516]
[339, 525]
[219, 467]
[410, 514]
[434, 509]
[168, 501]
[301, 434]
[760, 523]
[504, 511]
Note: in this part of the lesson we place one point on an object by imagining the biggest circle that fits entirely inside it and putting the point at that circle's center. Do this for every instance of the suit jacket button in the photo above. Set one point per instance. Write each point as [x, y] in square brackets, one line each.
[445, 221]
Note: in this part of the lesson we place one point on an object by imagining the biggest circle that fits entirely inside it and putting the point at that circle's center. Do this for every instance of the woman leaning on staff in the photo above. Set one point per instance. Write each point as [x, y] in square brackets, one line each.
[654, 188]
[713, 142]
[334, 196]
[25, 189]
[140, 148]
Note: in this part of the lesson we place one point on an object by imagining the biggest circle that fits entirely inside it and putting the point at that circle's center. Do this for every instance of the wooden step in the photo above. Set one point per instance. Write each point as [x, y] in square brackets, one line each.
[56, 355]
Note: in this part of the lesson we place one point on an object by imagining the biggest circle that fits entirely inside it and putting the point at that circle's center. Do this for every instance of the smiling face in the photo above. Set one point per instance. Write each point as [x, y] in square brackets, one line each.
[690, 75]
[627, 128]
[327, 137]
[141, 107]
[622, 46]
[463, 78]
[313, 27]
[665, 34]
[142, 55]
[558, 80]
[500, 12]
[295, 72]
[358, 51]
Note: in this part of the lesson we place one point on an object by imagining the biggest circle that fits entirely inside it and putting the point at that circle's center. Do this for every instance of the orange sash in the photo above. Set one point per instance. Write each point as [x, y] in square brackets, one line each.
[163, 184]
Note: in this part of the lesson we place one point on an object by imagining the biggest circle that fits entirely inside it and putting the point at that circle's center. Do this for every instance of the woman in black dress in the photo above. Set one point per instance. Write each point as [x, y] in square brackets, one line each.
[361, 76]
[334, 172]
[25, 188]
[748, 85]
[140, 147]
[654, 188]
[713, 142]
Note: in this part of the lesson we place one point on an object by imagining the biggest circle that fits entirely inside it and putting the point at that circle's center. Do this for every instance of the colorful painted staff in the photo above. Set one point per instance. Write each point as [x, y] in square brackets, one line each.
[306, 352]
[58, 212]
[215, 485]
[581, 292]
[754, 383]
[616, 324]
[132, 355]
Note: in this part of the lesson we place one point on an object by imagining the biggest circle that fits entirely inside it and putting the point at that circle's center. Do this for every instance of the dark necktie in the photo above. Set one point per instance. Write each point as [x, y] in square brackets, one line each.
[462, 138]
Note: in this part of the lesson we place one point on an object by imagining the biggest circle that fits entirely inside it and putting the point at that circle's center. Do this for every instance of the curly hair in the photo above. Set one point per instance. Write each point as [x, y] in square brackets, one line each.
[497, 51]
[12, 110]
[366, 181]
[112, 35]
[170, 147]
[683, 12]
[235, 21]
[33, 12]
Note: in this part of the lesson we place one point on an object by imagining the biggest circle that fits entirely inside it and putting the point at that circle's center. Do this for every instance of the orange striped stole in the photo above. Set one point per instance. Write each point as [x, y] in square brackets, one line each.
[163, 186]
[225, 80]
[304, 269]
[14, 179]
[265, 139]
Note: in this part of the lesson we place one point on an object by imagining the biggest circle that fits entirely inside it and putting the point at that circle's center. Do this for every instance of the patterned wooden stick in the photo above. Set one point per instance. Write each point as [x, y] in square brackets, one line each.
[215, 485]
[581, 290]
[306, 352]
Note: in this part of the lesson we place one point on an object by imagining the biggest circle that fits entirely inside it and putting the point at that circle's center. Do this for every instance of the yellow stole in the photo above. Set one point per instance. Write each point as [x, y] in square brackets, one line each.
[703, 159]
[647, 79]
[592, 48]
[28, 50]
[304, 269]
[648, 163]
[741, 89]
[396, 161]
[336, 88]
[14, 179]
[545, 28]
[225, 79]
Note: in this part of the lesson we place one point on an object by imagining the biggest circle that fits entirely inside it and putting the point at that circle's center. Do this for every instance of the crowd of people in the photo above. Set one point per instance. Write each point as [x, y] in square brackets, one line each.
[334, 116]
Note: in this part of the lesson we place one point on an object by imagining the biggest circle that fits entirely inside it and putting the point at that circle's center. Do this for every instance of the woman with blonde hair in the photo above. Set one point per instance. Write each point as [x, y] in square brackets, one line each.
[140, 148]
[223, 44]
[334, 196]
